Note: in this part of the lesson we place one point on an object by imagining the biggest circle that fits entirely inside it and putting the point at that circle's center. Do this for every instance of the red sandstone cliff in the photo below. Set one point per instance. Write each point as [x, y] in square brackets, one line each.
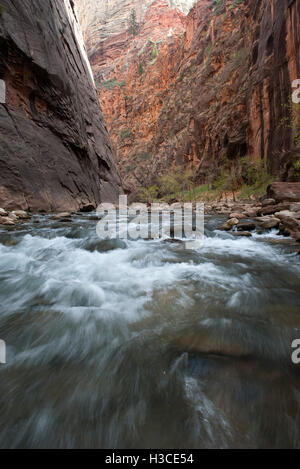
[219, 88]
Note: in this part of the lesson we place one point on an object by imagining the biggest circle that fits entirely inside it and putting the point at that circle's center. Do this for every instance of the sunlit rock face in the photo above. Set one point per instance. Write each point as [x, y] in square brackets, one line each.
[105, 25]
[131, 60]
[113, 16]
[55, 153]
[203, 89]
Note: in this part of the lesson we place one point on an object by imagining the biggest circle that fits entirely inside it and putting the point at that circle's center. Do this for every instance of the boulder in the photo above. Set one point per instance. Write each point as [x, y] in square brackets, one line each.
[3, 213]
[239, 216]
[270, 224]
[225, 227]
[284, 191]
[237, 208]
[251, 212]
[295, 207]
[267, 202]
[285, 213]
[21, 214]
[233, 221]
[270, 209]
[87, 208]
[7, 221]
[13, 216]
[229, 224]
[290, 225]
[245, 234]
[246, 227]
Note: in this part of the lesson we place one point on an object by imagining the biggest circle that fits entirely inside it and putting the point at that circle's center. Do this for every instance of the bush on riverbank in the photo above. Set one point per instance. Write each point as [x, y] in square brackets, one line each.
[243, 180]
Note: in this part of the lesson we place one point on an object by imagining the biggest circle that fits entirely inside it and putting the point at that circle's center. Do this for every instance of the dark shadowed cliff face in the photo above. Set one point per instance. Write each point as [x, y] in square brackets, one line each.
[55, 152]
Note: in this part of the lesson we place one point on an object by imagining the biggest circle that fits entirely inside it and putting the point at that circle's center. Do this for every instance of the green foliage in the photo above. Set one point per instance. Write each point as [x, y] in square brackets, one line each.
[257, 190]
[133, 24]
[125, 133]
[130, 168]
[180, 78]
[292, 121]
[218, 7]
[209, 49]
[1, 10]
[154, 51]
[148, 194]
[140, 69]
[243, 178]
[237, 59]
[144, 156]
[174, 183]
[111, 84]
[296, 166]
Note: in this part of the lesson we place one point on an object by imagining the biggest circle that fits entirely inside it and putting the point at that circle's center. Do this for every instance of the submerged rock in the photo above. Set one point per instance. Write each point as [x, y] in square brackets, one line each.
[229, 224]
[61, 216]
[245, 234]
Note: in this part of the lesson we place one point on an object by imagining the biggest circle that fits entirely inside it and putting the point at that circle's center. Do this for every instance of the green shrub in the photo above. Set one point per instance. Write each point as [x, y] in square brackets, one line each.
[133, 24]
[125, 133]
[111, 84]
[140, 69]
[144, 156]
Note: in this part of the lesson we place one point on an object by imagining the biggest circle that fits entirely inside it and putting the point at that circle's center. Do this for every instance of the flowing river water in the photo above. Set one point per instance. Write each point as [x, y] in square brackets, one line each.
[145, 344]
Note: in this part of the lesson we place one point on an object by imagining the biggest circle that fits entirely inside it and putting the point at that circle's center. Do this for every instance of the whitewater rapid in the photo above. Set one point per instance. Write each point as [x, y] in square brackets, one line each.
[132, 344]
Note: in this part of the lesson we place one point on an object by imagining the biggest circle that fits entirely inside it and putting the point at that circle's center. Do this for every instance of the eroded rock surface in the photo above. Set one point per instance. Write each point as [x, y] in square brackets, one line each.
[219, 89]
[55, 153]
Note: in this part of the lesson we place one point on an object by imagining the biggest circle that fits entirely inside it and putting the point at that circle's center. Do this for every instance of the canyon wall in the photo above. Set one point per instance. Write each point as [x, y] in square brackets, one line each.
[202, 90]
[55, 153]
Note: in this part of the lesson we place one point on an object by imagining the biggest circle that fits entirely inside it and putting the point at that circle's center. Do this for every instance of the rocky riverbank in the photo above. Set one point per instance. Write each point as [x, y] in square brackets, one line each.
[12, 218]
[278, 209]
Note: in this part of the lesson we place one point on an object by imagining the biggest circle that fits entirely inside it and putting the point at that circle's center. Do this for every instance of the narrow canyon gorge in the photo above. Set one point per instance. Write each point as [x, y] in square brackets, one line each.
[201, 86]
[172, 321]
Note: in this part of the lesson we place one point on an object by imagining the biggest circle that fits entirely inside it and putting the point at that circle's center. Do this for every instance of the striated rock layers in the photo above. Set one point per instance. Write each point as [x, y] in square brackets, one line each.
[55, 153]
[203, 90]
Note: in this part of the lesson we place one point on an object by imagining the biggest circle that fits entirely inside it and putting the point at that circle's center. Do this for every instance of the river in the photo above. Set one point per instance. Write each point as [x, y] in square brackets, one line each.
[145, 344]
